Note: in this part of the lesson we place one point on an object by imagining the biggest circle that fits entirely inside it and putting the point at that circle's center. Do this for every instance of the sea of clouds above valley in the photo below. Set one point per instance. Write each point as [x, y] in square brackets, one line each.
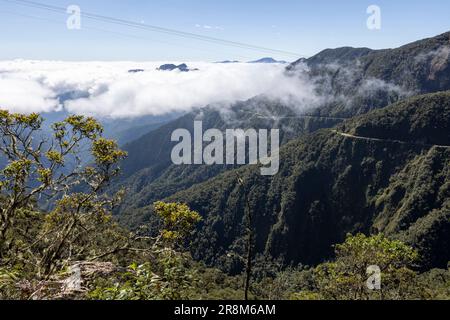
[107, 89]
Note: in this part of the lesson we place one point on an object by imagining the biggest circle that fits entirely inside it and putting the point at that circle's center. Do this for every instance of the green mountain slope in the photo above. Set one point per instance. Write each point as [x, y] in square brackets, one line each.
[375, 173]
[357, 80]
[351, 80]
[148, 172]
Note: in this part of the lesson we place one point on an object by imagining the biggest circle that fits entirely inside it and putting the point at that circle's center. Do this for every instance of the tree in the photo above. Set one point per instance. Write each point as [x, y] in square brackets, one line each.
[40, 168]
[170, 274]
[250, 239]
[178, 222]
[346, 277]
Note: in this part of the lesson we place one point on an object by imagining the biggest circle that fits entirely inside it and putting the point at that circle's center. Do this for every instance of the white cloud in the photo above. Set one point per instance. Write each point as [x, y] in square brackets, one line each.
[25, 95]
[441, 53]
[107, 89]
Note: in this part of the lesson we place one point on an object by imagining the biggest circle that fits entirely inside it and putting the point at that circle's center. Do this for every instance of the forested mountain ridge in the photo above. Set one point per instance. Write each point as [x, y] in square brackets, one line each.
[421, 66]
[332, 181]
[351, 81]
[358, 80]
[364, 180]
[330, 185]
[148, 172]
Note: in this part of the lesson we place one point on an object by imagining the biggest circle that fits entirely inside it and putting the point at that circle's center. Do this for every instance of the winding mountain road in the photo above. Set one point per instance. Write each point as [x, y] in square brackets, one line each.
[351, 136]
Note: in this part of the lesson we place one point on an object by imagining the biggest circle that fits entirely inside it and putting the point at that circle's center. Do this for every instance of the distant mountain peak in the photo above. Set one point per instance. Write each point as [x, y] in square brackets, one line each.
[268, 60]
[171, 67]
[228, 61]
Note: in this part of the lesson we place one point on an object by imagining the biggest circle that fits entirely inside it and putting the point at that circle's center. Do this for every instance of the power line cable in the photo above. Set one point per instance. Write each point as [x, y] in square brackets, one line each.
[154, 28]
[121, 34]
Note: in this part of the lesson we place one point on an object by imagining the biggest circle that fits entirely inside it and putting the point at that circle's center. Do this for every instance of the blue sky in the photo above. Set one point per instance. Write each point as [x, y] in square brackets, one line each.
[299, 26]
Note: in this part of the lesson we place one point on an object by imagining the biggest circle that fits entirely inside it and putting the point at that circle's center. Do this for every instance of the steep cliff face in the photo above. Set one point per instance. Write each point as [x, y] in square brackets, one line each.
[350, 81]
[149, 174]
[356, 178]
[383, 170]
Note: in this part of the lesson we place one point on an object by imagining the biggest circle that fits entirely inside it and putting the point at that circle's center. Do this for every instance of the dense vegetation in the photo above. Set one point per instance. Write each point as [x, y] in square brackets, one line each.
[364, 182]
[77, 251]
[330, 185]
[357, 80]
[350, 81]
[148, 172]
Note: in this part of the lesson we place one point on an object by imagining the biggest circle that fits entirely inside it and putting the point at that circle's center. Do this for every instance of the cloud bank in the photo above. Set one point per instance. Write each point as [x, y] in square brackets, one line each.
[107, 89]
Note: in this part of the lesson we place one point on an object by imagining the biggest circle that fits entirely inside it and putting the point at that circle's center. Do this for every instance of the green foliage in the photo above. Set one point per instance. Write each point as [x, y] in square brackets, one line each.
[346, 277]
[328, 185]
[377, 250]
[80, 227]
[55, 156]
[37, 246]
[306, 295]
[435, 284]
[8, 283]
[178, 220]
[169, 277]
[8, 119]
[106, 152]
[87, 126]
[169, 274]
[285, 285]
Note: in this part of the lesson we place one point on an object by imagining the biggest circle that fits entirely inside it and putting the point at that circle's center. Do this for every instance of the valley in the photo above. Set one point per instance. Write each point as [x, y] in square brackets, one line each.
[343, 168]
[265, 180]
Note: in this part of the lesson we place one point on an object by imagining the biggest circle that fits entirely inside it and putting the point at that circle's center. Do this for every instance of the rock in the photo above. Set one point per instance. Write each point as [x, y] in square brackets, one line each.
[73, 284]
